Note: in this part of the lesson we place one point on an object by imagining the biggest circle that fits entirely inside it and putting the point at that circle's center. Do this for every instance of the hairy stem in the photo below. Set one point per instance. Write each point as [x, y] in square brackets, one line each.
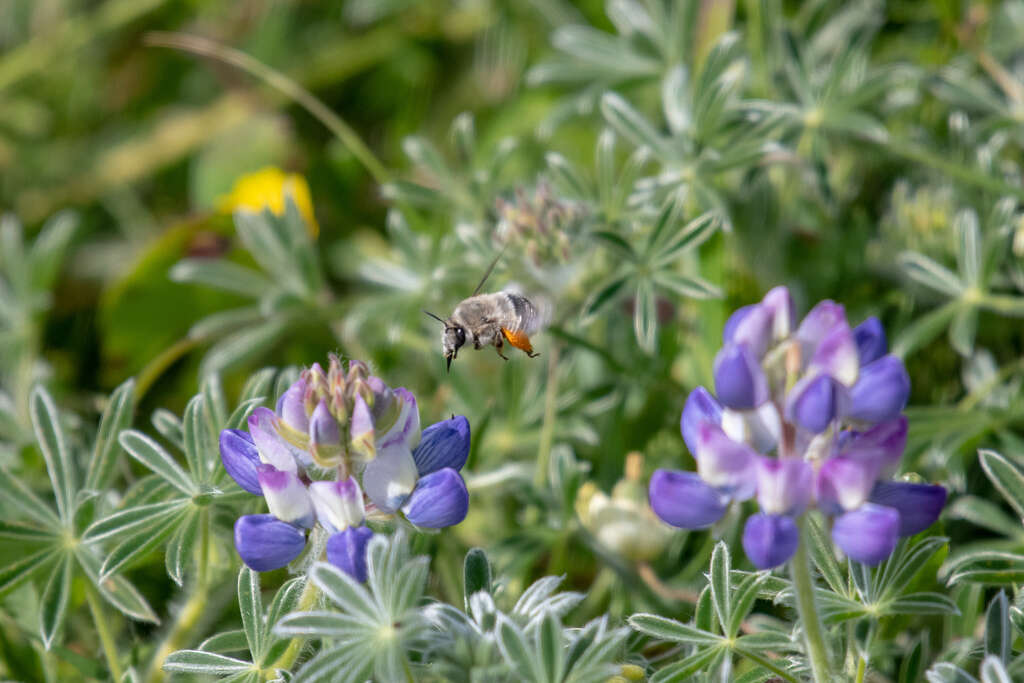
[810, 620]
[102, 622]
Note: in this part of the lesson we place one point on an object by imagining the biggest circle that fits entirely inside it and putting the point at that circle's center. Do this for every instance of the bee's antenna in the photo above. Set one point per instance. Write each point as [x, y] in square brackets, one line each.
[490, 268]
[434, 317]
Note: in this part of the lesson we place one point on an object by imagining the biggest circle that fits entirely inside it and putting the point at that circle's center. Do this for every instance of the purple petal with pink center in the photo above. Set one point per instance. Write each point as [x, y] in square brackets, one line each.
[784, 485]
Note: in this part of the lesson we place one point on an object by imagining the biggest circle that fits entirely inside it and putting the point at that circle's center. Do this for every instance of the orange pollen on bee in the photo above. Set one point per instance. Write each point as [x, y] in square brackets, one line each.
[517, 339]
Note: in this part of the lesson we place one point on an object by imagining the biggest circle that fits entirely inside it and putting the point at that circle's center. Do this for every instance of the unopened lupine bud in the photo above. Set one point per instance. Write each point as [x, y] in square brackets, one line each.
[241, 459]
[740, 382]
[881, 392]
[439, 500]
[324, 437]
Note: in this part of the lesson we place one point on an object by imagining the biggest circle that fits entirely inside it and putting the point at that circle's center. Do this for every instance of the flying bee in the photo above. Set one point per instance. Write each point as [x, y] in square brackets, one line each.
[491, 319]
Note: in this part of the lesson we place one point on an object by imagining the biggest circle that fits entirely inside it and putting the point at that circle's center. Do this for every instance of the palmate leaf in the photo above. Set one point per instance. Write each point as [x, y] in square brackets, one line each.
[51, 440]
[116, 417]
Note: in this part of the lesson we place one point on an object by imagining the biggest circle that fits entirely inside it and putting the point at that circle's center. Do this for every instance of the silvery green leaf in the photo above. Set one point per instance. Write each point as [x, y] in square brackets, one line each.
[629, 123]
[116, 417]
[998, 634]
[52, 444]
[913, 664]
[338, 665]
[223, 322]
[116, 590]
[476, 572]
[153, 456]
[670, 629]
[170, 427]
[945, 672]
[689, 237]
[464, 136]
[215, 405]
[530, 602]
[258, 385]
[675, 100]
[703, 660]
[322, 625]
[14, 493]
[823, 556]
[986, 566]
[963, 330]
[180, 549]
[688, 286]
[285, 600]
[197, 437]
[718, 580]
[924, 329]
[423, 153]
[135, 519]
[47, 252]
[766, 641]
[704, 614]
[922, 603]
[549, 650]
[250, 605]
[228, 641]
[130, 549]
[411, 194]
[900, 569]
[23, 533]
[223, 275]
[243, 345]
[24, 568]
[1006, 477]
[968, 256]
[742, 600]
[200, 662]
[604, 164]
[516, 652]
[344, 591]
[55, 600]
[602, 52]
[930, 274]
[645, 315]
[993, 670]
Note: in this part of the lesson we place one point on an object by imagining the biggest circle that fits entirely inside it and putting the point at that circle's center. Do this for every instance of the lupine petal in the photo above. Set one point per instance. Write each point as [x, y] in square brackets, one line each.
[753, 331]
[439, 500]
[240, 458]
[784, 485]
[836, 355]
[390, 477]
[881, 391]
[265, 542]
[845, 483]
[729, 330]
[346, 550]
[361, 431]
[443, 444]
[882, 444]
[725, 464]
[871, 341]
[700, 406]
[292, 407]
[338, 504]
[324, 436]
[868, 534]
[770, 540]
[919, 505]
[818, 323]
[287, 497]
[779, 304]
[739, 380]
[685, 500]
[760, 428]
[815, 401]
[272, 448]
[406, 428]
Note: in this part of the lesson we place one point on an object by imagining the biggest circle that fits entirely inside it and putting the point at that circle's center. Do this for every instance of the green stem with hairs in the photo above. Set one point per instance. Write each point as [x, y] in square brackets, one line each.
[810, 620]
[307, 600]
[102, 622]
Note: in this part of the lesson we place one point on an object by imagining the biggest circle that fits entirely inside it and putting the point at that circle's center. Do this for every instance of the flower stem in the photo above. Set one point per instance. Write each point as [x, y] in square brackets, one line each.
[307, 600]
[803, 587]
[547, 429]
[102, 623]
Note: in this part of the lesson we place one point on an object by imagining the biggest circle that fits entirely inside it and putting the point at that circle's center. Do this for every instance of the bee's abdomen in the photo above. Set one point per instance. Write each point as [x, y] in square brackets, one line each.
[525, 314]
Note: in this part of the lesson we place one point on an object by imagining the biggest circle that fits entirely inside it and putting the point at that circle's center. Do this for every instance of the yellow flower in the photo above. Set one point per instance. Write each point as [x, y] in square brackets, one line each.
[267, 188]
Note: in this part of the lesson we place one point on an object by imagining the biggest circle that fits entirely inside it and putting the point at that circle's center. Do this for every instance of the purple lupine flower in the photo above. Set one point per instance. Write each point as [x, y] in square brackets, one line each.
[343, 420]
[806, 415]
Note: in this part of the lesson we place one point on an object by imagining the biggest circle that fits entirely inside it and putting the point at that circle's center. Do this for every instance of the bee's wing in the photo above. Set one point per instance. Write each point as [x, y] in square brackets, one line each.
[532, 313]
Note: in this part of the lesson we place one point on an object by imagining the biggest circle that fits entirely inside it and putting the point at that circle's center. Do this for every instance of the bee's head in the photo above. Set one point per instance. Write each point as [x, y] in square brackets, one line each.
[452, 339]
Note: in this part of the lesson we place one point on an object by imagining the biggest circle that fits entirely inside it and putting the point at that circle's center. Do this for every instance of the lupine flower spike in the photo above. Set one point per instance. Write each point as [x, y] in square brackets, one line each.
[806, 415]
[367, 435]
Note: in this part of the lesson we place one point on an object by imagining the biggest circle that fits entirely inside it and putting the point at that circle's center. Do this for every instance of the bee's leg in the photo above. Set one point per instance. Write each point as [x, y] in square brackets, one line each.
[532, 355]
[520, 341]
[497, 347]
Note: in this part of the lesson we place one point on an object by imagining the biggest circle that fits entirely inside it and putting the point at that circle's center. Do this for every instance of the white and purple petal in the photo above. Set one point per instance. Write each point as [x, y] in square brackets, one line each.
[779, 304]
[685, 500]
[443, 444]
[882, 444]
[287, 497]
[406, 427]
[784, 485]
[338, 504]
[346, 550]
[439, 500]
[817, 324]
[770, 540]
[265, 543]
[752, 330]
[725, 464]
[868, 534]
[881, 391]
[918, 505]
[390, 477]
[740, 383]
[291, 407]
[845, 483]
[361, 429]
[272, 448]
[760, 428]
[836, 355]
[700, 407]
[240, 458]
[324, 435]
